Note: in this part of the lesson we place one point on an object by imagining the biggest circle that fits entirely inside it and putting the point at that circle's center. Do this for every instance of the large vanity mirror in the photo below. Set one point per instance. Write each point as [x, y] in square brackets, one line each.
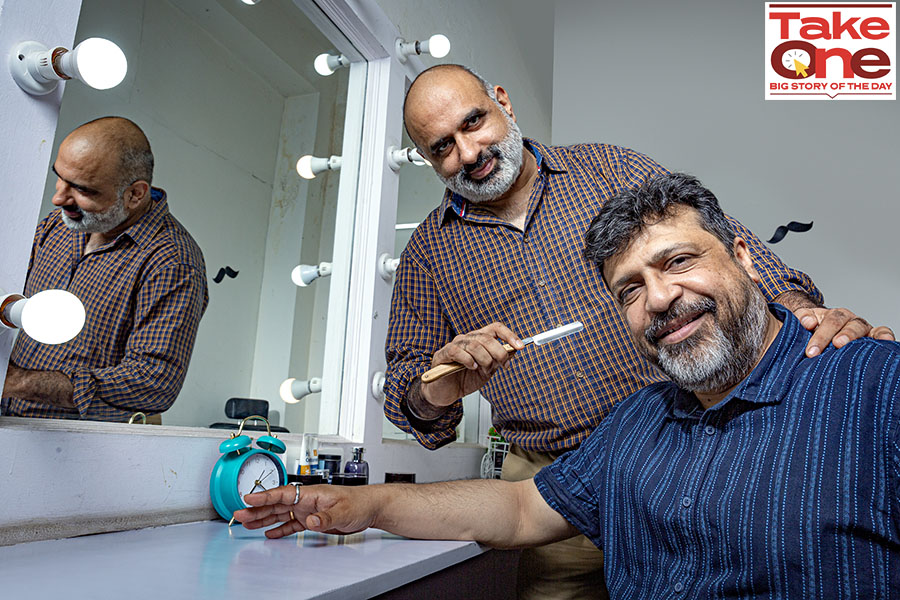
[229, 98]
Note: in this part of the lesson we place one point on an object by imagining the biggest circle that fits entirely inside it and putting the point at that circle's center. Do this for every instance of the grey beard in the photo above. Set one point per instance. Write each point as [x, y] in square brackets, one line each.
[509, 164]
[713, 364]
[99, 222]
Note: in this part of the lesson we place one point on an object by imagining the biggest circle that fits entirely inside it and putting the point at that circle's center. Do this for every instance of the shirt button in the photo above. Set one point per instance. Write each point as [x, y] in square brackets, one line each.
[579, 374]
[678, 587]
[685, 502]
[710, 430]
[541, 283]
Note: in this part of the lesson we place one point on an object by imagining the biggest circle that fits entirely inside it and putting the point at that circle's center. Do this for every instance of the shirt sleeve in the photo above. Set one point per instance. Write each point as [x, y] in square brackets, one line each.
[777, 277]
[169, 305]
[572, 484]
[417, 330]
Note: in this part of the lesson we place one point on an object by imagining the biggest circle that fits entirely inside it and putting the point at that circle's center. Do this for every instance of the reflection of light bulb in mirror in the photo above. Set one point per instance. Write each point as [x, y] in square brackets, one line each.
[250, 2]
[303, 275]
[49, 317]
[292, 390]
[309, 166]
[326, 64]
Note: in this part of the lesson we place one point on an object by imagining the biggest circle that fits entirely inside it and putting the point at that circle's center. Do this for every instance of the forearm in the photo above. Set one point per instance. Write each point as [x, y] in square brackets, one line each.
[46, 387]
[419, 404]
[497, 513]
[795, 299]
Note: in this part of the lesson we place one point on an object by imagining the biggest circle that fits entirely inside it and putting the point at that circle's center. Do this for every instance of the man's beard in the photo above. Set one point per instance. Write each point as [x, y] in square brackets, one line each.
[716, 361]
[98, 222]
[508, 153]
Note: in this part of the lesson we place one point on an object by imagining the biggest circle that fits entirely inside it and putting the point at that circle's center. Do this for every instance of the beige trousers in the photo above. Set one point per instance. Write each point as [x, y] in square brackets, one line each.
[570, 569]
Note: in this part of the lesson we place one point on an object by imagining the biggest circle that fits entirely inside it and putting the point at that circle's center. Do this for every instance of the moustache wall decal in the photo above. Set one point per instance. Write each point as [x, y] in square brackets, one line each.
[792, 226]
[226, 270]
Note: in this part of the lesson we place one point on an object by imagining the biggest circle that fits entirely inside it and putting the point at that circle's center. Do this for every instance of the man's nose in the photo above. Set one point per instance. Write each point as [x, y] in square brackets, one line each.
[469, 150]
[660, 294]
[62, 195]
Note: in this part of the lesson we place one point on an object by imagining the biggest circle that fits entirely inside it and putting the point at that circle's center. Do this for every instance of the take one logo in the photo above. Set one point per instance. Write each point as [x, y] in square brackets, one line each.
[830, 51]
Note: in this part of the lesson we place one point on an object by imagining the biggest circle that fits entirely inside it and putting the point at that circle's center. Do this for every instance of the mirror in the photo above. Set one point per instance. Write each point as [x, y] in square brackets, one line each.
[229, 99]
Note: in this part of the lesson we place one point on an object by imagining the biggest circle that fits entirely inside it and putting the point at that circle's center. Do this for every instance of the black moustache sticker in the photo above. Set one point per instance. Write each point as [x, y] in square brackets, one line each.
[792, 226]
[226, 270]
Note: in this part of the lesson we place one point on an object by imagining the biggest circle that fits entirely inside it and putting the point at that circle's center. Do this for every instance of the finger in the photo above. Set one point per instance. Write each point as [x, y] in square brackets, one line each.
[807, 318]
[280, 495]
[883, 333]
[837, 326]
[505, 334]
[285, 529]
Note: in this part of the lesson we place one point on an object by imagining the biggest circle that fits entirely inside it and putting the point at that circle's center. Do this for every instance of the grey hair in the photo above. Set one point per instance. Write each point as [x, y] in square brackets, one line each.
[626, 214]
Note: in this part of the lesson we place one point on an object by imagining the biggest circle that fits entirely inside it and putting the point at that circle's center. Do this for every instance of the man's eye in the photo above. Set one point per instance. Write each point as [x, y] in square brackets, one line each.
[627, 294]
[679, 261]
[473, 120]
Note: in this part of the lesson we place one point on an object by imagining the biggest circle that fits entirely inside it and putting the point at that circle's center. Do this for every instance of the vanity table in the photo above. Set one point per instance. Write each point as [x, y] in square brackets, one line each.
[208, 559]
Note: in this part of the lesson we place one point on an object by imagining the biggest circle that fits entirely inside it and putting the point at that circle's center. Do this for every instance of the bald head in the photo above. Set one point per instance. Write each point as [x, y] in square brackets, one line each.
[120, 143]
[432, 87]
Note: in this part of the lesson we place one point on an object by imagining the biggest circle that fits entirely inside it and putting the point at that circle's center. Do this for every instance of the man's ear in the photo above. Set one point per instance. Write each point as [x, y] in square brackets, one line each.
[742, 256]
[136, 194]
[503, 99]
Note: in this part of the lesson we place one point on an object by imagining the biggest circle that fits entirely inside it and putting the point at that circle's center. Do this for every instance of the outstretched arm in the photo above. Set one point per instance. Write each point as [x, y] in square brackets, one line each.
[497, 513]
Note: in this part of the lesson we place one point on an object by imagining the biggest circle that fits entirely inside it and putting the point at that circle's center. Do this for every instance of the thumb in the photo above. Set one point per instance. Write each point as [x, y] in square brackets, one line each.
[320, 521]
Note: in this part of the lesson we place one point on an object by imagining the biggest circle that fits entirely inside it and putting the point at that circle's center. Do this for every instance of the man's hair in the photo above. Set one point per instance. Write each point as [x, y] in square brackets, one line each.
[626, 214]
[488, 87]
[132, 146]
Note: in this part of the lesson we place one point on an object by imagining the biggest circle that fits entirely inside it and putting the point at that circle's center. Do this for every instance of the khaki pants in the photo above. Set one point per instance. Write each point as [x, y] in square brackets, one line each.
[570, 569]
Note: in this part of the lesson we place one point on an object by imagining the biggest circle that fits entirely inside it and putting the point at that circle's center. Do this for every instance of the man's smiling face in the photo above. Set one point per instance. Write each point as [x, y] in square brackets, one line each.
[691, 307]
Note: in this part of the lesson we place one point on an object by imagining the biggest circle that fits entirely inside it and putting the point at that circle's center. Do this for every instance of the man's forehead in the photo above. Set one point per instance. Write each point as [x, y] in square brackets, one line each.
[441, 99]
[659, 235]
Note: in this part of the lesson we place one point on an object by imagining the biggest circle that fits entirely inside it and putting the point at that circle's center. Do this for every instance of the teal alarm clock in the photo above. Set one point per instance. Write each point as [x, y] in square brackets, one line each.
[243, 470]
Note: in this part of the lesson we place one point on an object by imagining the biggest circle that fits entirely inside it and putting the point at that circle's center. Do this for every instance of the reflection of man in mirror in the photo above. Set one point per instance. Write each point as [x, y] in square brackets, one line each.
[500, 258]
[141, 277]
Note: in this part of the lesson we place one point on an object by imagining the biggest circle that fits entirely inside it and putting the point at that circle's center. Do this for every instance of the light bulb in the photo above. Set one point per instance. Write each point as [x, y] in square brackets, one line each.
[292, 390]
[438, 45]
[303, 275]
[38, 70]
[326, 64]
[250, 2]
[48, 317]
[97, 62]
[309, 166]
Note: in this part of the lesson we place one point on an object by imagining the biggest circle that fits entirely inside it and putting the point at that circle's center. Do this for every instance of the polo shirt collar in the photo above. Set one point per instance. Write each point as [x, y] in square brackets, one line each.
[768, 382]
[548, 159]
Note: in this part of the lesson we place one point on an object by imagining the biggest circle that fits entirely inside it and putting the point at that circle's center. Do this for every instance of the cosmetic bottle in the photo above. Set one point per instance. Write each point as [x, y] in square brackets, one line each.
[357, 466]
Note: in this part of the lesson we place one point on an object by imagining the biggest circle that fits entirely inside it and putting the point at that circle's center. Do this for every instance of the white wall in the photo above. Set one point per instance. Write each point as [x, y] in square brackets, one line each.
[683, 83]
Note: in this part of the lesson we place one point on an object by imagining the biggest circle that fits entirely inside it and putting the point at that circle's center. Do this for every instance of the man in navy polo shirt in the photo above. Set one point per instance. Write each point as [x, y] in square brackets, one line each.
[755, 472]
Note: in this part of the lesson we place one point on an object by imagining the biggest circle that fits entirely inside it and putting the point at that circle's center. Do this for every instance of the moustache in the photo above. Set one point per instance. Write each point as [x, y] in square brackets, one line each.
[483, 158]
[661, 322]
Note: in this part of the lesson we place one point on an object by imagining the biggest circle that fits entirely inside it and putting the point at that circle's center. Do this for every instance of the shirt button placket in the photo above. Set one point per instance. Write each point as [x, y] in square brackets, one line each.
[678, 587]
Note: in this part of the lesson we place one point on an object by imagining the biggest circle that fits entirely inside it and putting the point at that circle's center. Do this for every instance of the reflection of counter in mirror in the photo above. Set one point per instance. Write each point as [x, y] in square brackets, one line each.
[228, 95]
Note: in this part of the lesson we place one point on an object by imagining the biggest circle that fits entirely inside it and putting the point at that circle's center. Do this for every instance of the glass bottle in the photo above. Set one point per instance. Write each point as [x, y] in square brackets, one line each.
[357, 466]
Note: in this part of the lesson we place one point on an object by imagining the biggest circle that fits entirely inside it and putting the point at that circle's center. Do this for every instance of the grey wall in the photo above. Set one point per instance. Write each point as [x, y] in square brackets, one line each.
[683, 83]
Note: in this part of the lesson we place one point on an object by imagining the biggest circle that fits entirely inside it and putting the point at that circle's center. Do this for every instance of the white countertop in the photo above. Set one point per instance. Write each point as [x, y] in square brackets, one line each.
[207, 560]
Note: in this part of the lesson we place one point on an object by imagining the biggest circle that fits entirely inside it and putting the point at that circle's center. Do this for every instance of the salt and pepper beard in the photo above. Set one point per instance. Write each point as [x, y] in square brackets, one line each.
[508, 153]
[100, 221]
[720, 360]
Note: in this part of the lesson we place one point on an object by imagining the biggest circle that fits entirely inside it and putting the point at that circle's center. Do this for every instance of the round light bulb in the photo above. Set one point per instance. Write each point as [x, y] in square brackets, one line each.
[285, 391]
[438, 45]
[321, 65]
[53, 316]
[100, 63]
[250, 2]
[304, 167]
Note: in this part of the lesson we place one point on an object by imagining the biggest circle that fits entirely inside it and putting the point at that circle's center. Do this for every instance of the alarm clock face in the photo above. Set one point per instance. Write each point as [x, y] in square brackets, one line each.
[260, 472]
